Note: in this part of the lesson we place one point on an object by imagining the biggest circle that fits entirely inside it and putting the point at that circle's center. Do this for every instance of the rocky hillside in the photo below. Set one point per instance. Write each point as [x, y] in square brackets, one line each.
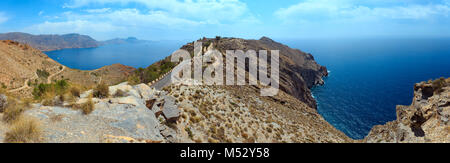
[182, 112]
[22, 66]
[299, 72]
[426, 120]
[179, 113]
[51, 42]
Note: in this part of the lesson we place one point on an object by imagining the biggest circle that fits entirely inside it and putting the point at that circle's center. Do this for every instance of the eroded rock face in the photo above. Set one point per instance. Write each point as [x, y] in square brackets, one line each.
[299, 72]
[425, 120]
[3, 102]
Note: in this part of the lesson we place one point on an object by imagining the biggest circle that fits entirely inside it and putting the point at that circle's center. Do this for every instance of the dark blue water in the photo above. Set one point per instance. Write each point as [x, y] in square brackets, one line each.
[135, 55]
[369, 77]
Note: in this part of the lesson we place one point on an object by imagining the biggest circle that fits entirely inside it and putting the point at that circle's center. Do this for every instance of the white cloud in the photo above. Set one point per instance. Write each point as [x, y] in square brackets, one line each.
[202, 10]
[319, 10]
[101, 10]
[168, 16]
[103, 24]
[41, 13]
[75, 26]
[3, 17]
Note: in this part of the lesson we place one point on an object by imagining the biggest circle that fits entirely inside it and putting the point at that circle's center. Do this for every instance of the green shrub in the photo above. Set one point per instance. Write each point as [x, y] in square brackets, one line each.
[154, 71]
[42, 73]
[101, 91]
[134, 80]
[60, 87]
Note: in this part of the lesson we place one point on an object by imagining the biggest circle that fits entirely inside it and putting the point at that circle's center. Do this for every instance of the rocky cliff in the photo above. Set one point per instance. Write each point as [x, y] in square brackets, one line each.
[426, 120]
[299, 72]
[52, 42]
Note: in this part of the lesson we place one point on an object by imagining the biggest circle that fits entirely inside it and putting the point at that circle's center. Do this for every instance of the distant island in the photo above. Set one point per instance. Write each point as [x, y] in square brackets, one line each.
[129, 40]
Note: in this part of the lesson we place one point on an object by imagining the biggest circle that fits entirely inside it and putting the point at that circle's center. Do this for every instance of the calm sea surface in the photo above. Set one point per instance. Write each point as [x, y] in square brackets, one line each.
[368, 77]
[135, 55]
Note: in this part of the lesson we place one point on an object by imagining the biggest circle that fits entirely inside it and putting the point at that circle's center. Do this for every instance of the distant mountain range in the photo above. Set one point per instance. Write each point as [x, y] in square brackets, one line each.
[52, 42]
[67, 41]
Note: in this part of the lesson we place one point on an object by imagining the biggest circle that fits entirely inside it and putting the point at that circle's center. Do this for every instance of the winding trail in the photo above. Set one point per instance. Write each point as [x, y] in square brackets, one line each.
[26, 86]
[49, 79]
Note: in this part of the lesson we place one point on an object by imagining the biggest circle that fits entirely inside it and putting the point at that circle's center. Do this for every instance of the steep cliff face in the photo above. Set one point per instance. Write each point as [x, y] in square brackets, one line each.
[52, 42]
[425, 120]
[299, 72]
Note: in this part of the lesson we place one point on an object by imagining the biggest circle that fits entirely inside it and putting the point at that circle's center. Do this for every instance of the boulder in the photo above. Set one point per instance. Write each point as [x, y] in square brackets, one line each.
[127, 100]
[145, 91]
[3, 102]
[124, 87]
[170, 109]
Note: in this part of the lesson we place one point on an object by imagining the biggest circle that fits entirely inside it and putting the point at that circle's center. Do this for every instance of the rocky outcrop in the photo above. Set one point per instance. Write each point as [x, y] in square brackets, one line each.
[114, 120]
[299, 72]
[52, 42]
[425, 120]
[3, 102]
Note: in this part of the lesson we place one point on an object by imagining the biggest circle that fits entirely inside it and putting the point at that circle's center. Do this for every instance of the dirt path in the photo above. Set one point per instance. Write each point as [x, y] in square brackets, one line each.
[25, 85]
[49, 79]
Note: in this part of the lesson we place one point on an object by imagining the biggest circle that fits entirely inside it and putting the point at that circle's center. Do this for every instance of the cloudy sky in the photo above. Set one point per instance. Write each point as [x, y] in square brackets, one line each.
[192, 19]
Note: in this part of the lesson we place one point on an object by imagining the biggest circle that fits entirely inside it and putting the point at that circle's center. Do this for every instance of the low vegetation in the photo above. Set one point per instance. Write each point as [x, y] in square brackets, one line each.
[12, 111]
[439, 84]
[87, 107]
[75, 91]
[42, 73]
[101, 91]
[24, 130]
[152, 72]
[120, 93]
[60, 87]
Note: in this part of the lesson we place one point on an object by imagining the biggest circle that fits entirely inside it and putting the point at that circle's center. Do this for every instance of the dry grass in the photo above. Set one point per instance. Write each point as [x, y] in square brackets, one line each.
[13, 111]
[87, 107]
[75, 91]
[101, 91]
[24, 130]
[120, 93]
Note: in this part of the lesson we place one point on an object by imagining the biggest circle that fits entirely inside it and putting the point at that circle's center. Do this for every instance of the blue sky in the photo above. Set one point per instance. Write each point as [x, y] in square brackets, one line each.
[192, 19]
